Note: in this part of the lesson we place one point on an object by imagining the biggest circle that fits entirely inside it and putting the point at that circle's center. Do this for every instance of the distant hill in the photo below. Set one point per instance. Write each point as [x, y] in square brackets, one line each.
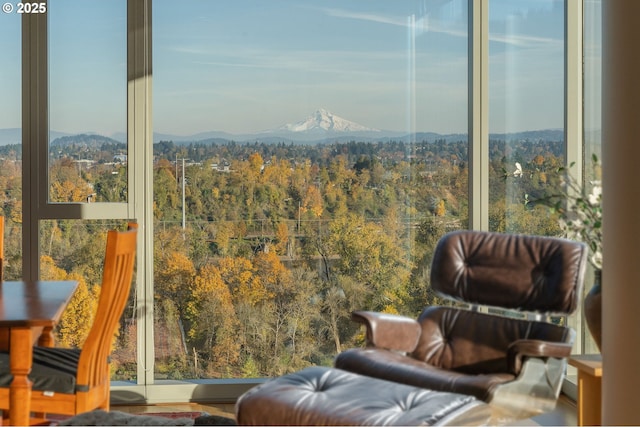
[383, 136]
[323, 126]
[10, 136]
[533, 135]
[320, 127]
[14, 136]
[84, 140]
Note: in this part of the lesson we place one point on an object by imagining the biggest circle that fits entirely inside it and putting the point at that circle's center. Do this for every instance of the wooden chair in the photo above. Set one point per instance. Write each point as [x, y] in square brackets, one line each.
[4, 332]
[72, 381]
[1, 247]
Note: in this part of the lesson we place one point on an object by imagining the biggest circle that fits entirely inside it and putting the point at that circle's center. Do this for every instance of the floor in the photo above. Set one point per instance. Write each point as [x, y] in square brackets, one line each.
[222, 409]
[563, 415]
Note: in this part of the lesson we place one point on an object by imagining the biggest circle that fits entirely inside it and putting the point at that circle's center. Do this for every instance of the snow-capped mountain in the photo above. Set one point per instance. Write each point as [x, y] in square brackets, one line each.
[325, 121]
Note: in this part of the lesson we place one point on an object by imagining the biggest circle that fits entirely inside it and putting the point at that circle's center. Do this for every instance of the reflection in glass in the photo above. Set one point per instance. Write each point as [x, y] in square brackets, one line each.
[592, 80]
[526, 113]
[592, 108]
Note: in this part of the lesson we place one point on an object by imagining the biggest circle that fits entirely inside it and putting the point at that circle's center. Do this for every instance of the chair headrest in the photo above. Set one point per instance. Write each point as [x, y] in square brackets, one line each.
[513, 271]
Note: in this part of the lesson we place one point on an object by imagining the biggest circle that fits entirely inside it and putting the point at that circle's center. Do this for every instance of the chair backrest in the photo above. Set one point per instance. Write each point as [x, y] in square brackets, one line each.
[513, 271]
[116, 284]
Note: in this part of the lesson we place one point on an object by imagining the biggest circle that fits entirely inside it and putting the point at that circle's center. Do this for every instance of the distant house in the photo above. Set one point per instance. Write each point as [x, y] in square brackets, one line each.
[221, 167]
[120, 158]
[84, 164]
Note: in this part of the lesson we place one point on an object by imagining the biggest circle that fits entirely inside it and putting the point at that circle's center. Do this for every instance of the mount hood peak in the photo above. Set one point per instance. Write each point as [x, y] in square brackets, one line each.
[323, 120]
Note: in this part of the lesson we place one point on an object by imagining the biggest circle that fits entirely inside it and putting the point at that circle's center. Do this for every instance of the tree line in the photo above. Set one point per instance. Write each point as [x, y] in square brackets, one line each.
[279, 248]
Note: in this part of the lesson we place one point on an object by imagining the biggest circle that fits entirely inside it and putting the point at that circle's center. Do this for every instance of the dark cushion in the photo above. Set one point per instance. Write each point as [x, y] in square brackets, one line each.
[54, 369]
[393, 366]
[531, 273]
[477, 343]
[325, 396]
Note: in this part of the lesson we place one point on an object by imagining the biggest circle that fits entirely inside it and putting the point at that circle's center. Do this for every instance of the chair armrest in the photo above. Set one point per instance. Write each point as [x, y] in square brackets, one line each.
[389, 331]
[520, 349]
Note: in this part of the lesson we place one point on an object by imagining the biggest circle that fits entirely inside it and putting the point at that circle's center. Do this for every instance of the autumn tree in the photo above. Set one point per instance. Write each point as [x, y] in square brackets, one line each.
[368, 255]
[67, 184]
[173, 281]
[370, 271]
[366, 216]
[212, 320]
[165, 192]
[255, 165]
[77, 318]
[245, 286]
[282, 238]
[312, 201]
[112, 186]
[174, 278]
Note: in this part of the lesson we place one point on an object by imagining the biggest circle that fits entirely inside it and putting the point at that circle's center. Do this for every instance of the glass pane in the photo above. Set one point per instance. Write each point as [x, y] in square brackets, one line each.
[75, 250]
[526, 113]
[592, 110]
[592, 80]
[87, 99]
[307, 157]
[11, 141]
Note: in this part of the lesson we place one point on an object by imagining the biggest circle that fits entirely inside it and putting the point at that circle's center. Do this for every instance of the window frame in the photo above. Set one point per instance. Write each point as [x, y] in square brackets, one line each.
[36, 206]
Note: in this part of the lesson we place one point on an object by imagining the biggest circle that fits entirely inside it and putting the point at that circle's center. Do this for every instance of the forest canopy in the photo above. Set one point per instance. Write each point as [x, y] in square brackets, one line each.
[281, 241]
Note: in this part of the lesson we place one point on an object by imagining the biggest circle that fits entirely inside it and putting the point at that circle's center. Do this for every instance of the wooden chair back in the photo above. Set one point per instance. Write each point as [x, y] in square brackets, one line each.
[116, 284]
[4, 332]
[1, 247]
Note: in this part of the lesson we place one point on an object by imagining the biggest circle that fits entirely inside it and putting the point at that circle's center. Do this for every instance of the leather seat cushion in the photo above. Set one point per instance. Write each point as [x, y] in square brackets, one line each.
[54, 369]
[393, 366]
[477, 343]
[327, 396]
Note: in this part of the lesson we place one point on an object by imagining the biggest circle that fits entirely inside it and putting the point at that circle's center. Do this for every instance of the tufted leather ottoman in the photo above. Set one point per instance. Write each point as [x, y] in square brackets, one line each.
[329, 396]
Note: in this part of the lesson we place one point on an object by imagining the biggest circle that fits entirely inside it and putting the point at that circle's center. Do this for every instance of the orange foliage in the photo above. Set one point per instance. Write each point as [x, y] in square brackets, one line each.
[240, 277]
[312, 201]
[77, 318]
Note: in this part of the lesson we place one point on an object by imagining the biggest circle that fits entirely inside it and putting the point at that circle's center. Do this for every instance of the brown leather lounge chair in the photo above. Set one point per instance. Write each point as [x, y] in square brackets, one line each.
[508, 355]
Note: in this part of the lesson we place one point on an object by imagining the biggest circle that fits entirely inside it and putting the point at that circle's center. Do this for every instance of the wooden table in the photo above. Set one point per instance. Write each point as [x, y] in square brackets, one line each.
[589, 388]
[26, 307]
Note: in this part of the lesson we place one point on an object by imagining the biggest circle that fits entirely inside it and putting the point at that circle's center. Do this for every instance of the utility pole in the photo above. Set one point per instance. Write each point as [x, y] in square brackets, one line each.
[183, 205]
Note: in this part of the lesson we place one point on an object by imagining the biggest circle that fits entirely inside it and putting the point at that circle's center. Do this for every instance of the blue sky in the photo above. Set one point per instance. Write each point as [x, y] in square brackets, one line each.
[245, 66]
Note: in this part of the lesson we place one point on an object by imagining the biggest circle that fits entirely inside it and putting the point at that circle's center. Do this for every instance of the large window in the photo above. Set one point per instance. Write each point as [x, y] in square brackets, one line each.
[87, 159]
[526, 112]
[288, 161]
[307, 158]
[11, 142]
[87, 92]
